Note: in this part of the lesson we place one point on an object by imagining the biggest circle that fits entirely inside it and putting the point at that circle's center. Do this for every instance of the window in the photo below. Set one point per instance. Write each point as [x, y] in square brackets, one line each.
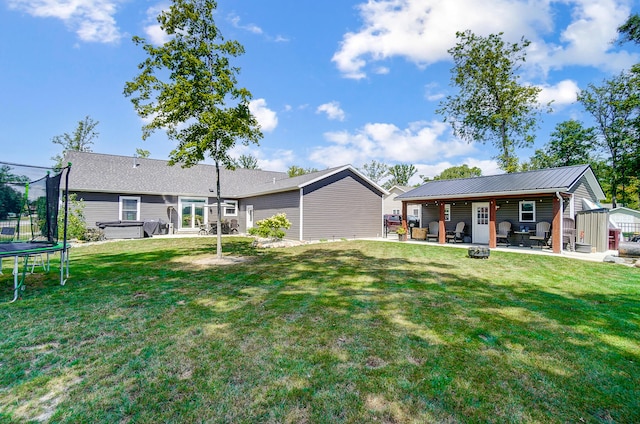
[447, 211]
[129, 209]
[395, 212]
[527, 211]
[416, 212]
[231, 208]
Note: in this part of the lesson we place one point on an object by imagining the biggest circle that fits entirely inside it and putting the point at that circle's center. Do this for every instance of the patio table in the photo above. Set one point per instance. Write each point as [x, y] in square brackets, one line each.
[522, 234]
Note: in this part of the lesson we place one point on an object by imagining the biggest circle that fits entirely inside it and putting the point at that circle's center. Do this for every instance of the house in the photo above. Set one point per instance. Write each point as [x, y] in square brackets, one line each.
[626, 219]
[334, 203]
[524, 199]
[394, 206]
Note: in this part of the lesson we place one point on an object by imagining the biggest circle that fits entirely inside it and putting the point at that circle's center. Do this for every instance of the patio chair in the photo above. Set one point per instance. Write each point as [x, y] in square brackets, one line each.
[457, 234]
[434, 227]
[542, 234]
[203, 230]
[569, 233]
[504, 230]
[234, 226]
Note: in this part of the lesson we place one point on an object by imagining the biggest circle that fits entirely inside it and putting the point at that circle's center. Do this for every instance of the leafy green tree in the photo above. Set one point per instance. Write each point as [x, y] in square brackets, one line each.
[80, 141]
[462, 171]
[10, 199]
[615, 107]
[246, 162]
[400, 175]
[630, 30]
[571, 144]
[141, 153]
[375, 171]
[491, 105]
[188, 88]
[296, 171]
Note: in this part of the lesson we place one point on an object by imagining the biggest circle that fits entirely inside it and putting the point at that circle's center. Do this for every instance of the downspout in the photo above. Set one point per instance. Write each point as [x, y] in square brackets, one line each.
[301, 214]
[561, 222]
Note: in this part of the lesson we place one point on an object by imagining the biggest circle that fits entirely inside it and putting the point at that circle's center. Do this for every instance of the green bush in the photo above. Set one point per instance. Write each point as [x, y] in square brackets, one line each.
[76, 224]
[272, 227]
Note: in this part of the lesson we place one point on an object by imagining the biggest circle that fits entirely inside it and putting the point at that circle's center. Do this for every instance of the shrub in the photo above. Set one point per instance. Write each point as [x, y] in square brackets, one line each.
[272, 227]
[76, 224]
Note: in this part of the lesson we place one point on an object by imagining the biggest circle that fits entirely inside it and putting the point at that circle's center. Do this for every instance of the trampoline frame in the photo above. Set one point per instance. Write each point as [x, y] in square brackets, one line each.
[27, 250]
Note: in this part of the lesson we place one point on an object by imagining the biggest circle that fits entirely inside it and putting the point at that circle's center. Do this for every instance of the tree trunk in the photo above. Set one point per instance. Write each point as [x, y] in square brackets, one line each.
[218, 224]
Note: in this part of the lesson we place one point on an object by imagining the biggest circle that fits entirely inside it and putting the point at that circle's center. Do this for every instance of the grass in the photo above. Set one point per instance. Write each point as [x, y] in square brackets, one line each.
[347, 332]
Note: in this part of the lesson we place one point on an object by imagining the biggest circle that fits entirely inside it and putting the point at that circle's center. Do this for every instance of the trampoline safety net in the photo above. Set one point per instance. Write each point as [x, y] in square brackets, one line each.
[33, 212]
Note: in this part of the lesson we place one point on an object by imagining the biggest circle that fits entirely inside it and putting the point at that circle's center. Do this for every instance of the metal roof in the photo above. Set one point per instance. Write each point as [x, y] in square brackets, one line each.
[531, 182]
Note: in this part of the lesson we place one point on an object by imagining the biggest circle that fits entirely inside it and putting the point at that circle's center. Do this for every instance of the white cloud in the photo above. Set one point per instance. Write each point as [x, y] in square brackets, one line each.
[333, 111]
[91, 20]
[422, 31]
[279, 160]
[253, 28]
[432, 93]
[155, 34]
[267, 118]
[420, 141]
[563, 93]
[488, 167]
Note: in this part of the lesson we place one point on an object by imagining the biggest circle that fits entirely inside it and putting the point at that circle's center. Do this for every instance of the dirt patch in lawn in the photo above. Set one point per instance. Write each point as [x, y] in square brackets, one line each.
[212, 260]
[225, 260]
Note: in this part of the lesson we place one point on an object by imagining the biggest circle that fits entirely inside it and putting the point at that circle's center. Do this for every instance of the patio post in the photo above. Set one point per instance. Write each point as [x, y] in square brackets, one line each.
[404, 215]
[556, 226]
[442, 231]
[492, 223]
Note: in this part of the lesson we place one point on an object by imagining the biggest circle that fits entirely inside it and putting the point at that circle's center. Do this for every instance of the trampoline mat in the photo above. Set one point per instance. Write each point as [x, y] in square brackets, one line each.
[18, 248]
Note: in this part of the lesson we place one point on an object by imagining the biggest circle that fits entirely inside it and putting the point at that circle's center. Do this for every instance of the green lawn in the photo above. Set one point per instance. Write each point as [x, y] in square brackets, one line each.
[351, 331]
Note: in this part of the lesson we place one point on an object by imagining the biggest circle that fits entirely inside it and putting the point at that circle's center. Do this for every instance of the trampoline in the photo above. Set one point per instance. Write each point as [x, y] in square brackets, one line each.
[33, 220]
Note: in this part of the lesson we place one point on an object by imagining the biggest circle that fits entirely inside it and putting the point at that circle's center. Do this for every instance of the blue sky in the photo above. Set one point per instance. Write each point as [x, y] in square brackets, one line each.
[334, 82]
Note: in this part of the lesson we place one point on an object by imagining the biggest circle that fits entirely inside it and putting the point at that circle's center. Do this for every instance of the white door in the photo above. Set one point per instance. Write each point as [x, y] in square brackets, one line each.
[480, 226]
[249, 216]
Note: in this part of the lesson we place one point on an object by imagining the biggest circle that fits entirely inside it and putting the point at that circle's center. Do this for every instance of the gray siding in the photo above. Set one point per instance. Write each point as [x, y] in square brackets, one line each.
[271, 204]
[341, 206]
[582, 191]
[104, 207]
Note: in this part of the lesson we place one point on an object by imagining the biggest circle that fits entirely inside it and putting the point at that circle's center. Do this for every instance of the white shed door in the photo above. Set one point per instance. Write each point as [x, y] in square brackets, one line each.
[480, 227]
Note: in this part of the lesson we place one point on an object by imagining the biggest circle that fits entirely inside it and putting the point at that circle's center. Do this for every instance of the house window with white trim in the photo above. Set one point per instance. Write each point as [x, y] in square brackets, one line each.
[447, 211]
[129, 208]
[231, 208]
[527, 211]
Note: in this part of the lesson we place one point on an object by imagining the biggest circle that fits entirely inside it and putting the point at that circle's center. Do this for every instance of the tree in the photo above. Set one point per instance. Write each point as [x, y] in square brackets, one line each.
[491, 105]
[296, 171]
[375, 171]
[141, 153]
[615, 106]
[571, 144]
[630, 30]
[246, 162]
[199, 103]
[400, 175]
[455, 172]
[80, 140]
[10, 198]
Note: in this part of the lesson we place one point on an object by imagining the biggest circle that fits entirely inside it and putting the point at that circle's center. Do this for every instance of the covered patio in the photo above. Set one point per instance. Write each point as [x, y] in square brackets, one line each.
[523, 200]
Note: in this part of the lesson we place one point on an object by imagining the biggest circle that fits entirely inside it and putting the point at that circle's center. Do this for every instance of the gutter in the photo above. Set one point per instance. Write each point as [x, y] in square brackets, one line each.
[468, 196]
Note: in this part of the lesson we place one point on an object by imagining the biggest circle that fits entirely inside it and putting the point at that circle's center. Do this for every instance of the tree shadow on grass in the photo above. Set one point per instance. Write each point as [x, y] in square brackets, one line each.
[346, 335]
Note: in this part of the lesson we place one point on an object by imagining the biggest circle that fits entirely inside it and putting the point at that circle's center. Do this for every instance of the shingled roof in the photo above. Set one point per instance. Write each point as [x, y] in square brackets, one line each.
[549, 180]
[122, 174]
